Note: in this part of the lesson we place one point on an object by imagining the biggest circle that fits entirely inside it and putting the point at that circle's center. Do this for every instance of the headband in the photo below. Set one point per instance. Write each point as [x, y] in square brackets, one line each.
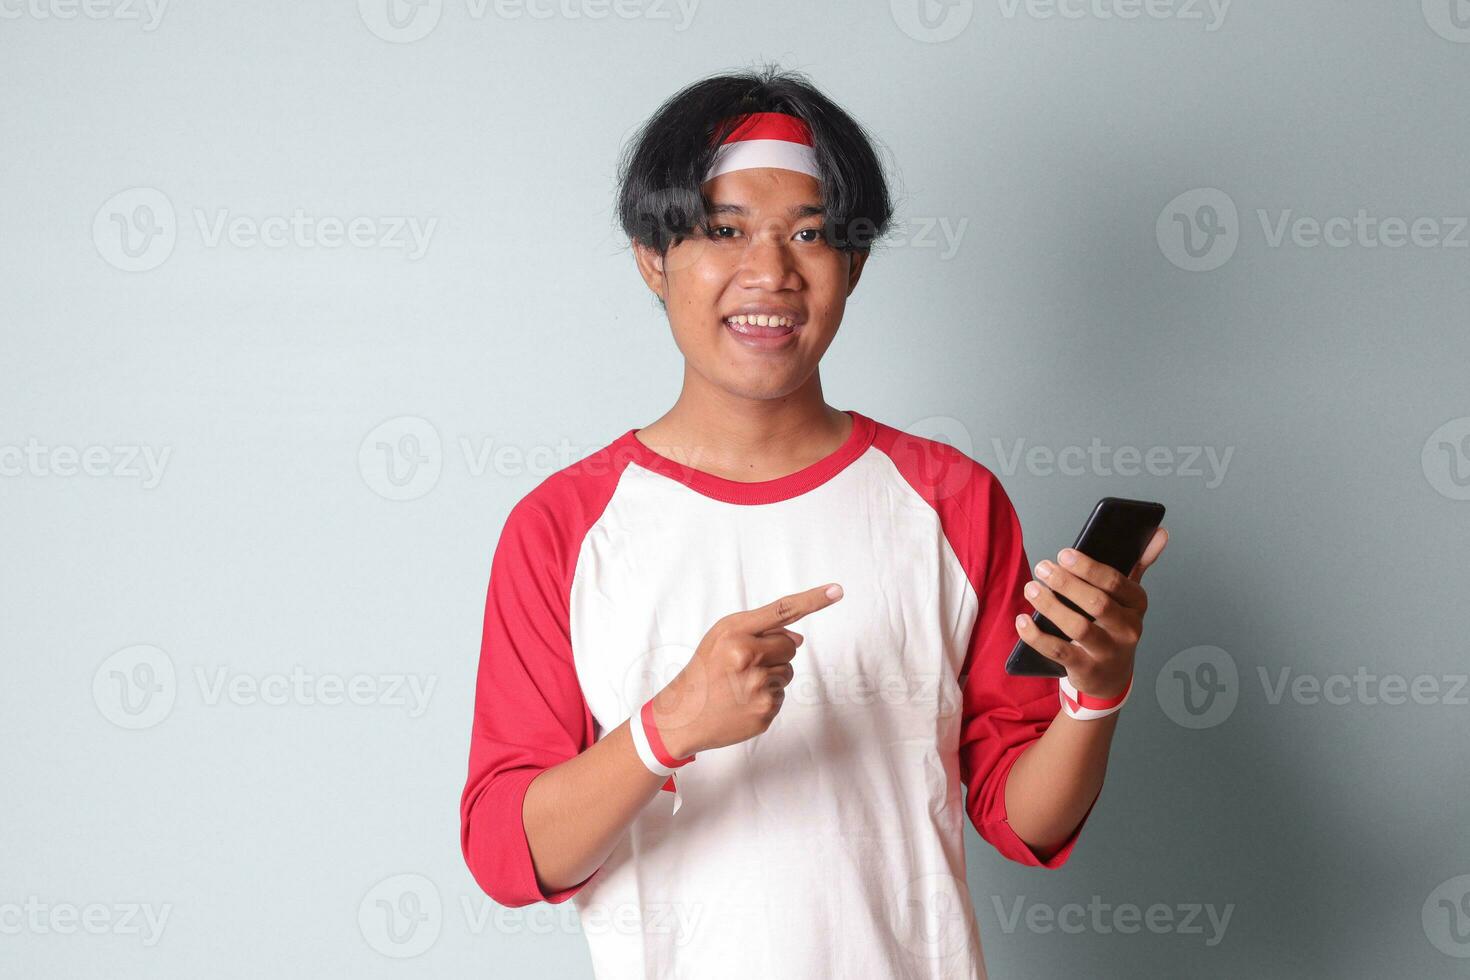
[766, 139]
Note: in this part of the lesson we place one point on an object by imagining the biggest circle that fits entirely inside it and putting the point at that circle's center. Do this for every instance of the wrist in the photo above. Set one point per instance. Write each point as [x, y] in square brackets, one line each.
[1109, 691]
[672, 732]
[1090, 707]
[677, 743]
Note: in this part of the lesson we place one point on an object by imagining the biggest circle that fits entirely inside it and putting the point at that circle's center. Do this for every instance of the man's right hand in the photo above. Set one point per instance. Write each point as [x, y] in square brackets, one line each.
[735, 683]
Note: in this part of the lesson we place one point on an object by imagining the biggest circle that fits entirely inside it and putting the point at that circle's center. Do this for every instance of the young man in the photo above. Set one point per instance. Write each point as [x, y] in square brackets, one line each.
[724, 794]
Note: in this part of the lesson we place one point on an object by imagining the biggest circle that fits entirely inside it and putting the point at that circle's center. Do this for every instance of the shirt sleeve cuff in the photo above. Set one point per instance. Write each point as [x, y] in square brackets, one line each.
[1010, 844]
[516, 849]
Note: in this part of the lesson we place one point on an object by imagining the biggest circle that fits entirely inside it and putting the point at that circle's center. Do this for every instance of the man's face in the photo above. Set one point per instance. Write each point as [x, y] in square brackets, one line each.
[765, 259]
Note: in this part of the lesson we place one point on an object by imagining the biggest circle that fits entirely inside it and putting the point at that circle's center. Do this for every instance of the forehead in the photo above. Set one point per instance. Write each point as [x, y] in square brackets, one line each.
[765, 190]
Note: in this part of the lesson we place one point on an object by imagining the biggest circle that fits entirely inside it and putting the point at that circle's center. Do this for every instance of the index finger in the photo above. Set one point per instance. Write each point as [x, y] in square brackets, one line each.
[789, 608]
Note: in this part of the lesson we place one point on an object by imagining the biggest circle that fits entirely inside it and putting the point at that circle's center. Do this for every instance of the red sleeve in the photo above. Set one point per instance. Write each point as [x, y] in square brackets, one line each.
[1002, 715]
[529, 710]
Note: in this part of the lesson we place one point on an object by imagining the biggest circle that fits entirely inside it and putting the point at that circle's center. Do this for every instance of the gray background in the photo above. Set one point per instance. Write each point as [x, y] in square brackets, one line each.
[298, 388]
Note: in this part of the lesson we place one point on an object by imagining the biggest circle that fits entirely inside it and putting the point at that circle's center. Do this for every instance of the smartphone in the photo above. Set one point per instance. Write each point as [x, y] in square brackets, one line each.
[1115, 534]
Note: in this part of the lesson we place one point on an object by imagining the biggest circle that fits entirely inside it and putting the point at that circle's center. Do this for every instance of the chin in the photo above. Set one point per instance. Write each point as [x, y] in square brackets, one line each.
[761, 388]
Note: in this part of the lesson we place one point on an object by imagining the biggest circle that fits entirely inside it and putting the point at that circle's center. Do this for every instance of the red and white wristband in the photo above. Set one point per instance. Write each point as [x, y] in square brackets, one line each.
[650, 743]
[652, 751]
[1085, 707]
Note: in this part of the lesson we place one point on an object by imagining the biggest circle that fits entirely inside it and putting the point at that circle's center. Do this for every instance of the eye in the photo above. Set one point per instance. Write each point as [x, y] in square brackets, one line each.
[718, 231]
[815, 233]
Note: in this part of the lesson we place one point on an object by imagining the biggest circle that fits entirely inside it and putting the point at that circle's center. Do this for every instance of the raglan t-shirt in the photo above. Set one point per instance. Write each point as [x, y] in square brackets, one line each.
[830, 845]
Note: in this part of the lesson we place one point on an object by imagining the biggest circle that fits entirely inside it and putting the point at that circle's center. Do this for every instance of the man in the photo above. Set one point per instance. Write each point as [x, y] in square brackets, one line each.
[724, 794]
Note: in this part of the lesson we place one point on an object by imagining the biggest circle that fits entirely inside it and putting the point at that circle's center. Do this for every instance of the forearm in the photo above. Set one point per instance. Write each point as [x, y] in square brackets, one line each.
[576, 812]
[1056, 779]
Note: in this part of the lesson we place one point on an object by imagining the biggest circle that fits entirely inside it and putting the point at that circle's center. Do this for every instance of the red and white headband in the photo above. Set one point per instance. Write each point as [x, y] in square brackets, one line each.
[766, 139]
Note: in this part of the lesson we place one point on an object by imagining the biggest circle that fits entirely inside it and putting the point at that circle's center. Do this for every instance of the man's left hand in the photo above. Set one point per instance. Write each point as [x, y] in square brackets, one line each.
[1098, 654]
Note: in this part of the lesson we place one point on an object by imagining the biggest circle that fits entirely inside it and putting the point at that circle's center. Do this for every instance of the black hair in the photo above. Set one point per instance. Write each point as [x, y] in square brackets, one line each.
[661, 173]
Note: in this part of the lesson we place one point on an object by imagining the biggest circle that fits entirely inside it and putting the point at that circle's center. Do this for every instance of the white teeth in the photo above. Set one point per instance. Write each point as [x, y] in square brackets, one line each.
[760, 320]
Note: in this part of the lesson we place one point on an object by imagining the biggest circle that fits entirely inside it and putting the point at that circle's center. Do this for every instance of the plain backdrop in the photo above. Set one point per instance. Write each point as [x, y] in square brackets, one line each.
[258, 440]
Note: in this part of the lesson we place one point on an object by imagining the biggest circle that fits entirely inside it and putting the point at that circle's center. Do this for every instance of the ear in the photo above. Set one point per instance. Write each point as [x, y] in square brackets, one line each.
[651, 267]
[855, 269]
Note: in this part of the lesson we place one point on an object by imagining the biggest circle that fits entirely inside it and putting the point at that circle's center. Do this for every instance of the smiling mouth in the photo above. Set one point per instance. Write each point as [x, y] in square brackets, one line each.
[760, 329]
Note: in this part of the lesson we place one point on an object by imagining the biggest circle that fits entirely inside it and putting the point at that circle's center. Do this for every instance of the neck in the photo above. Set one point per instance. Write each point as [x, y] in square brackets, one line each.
[747, 439]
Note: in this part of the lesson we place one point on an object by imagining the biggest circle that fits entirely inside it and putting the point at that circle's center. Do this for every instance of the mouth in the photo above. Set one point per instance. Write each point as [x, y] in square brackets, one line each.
[763, 330]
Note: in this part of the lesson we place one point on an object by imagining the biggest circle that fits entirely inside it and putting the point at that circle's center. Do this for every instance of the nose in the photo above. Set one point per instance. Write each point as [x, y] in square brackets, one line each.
[768, 263]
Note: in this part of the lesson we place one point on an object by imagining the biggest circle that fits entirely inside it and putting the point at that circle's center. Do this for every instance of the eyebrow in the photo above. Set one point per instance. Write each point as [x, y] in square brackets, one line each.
[799, 211]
